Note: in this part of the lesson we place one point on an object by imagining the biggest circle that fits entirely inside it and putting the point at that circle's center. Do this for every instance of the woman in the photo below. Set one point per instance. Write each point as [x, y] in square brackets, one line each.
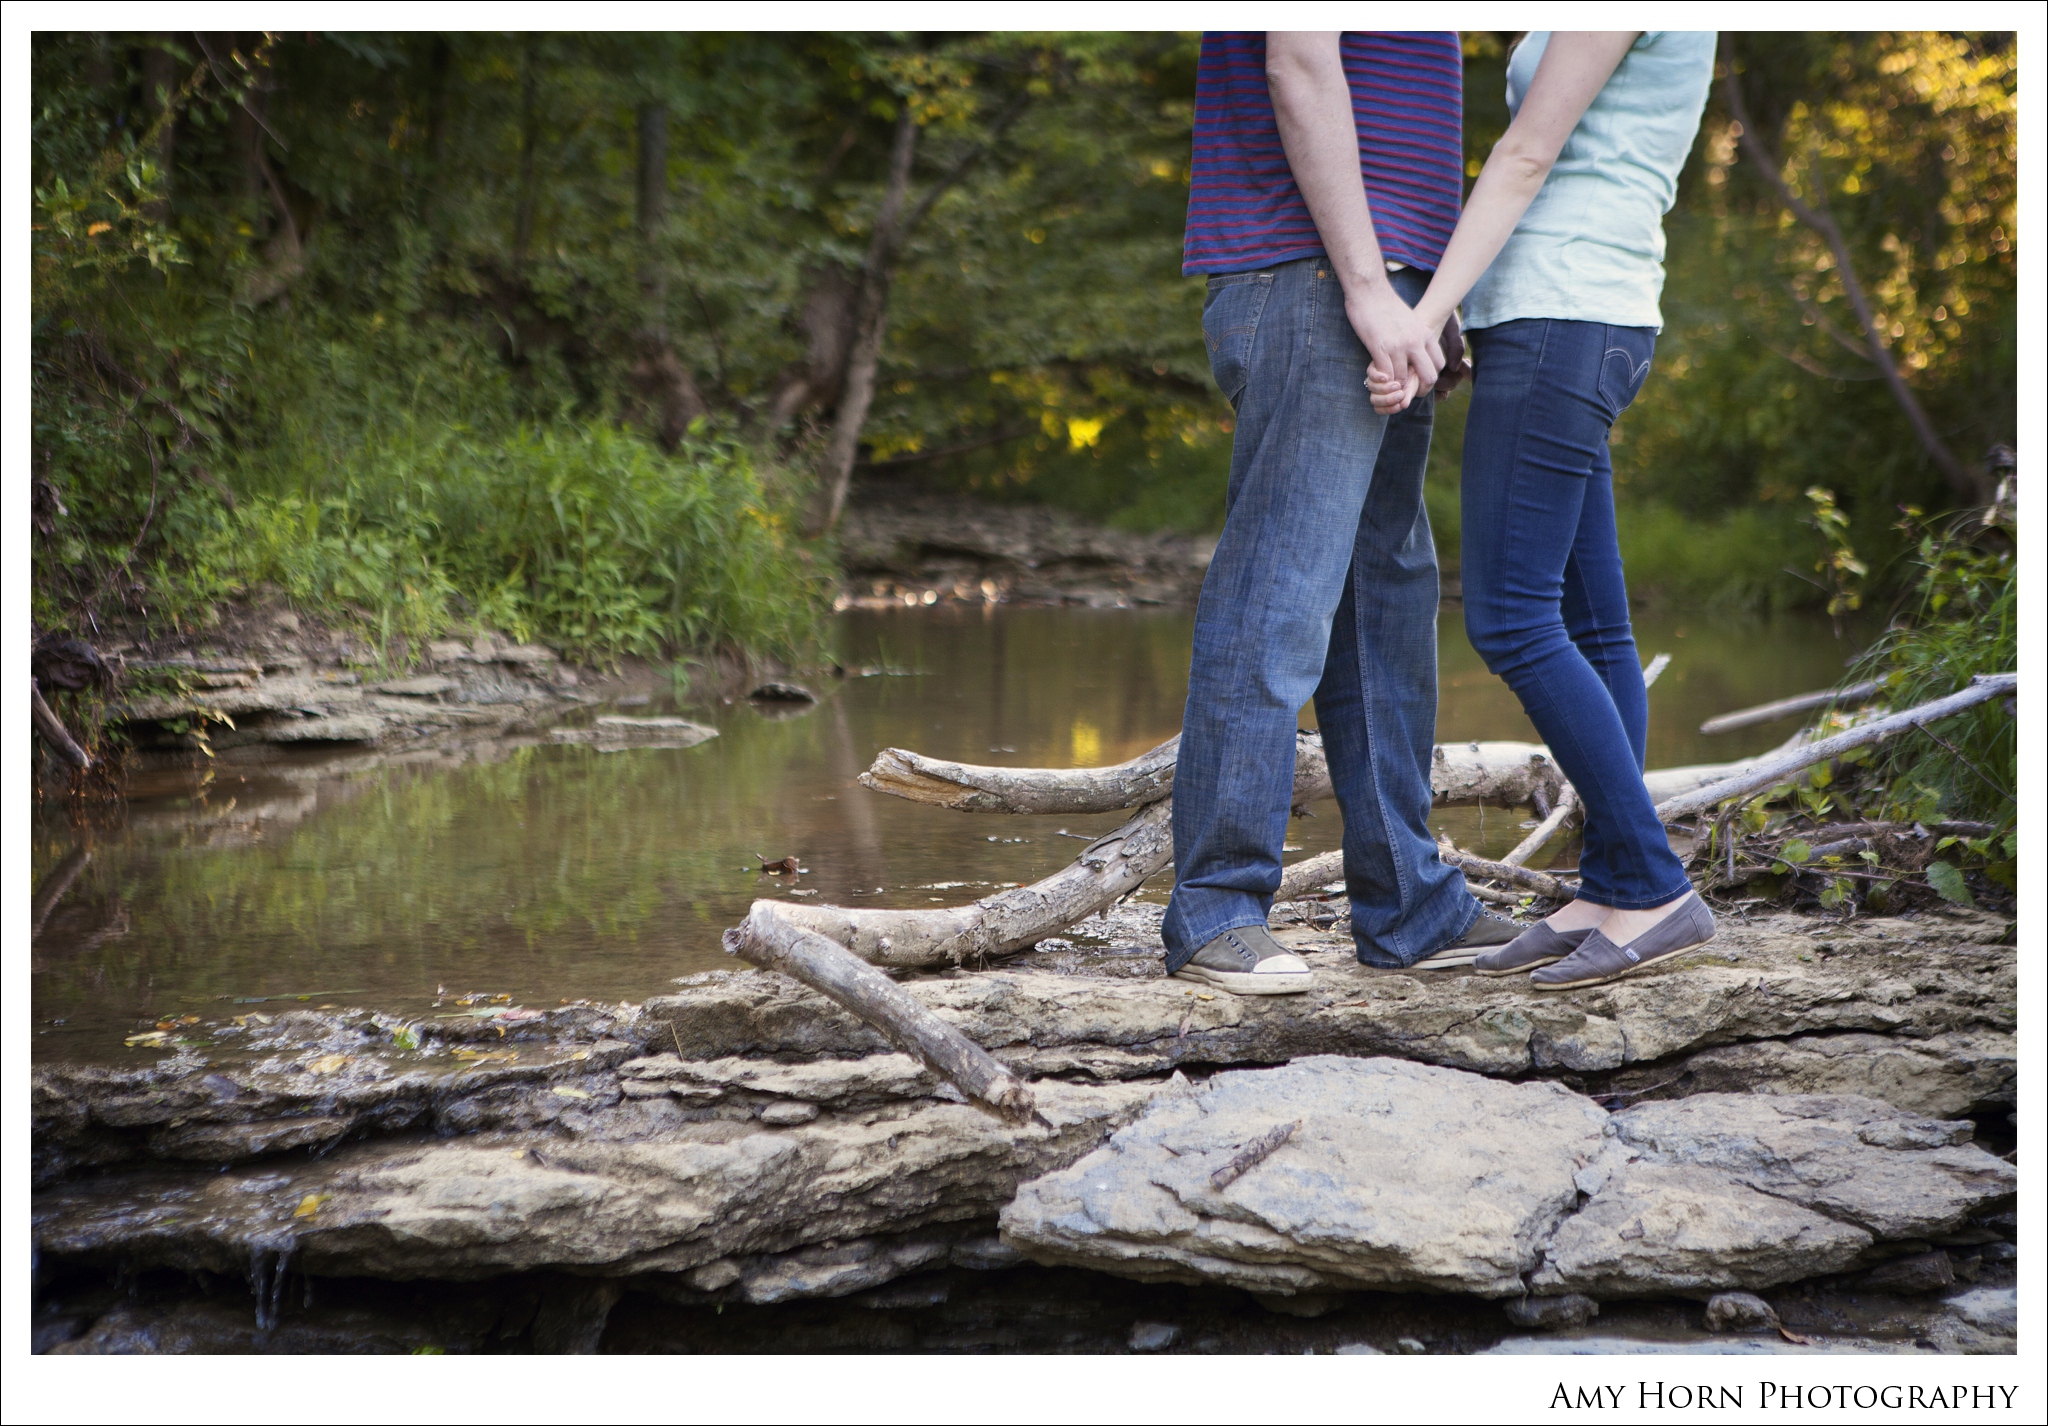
[1559, 260]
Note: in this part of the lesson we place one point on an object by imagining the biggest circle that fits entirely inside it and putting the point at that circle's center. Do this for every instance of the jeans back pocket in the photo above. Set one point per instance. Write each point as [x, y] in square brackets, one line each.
[1230, 323]
[1624, 365]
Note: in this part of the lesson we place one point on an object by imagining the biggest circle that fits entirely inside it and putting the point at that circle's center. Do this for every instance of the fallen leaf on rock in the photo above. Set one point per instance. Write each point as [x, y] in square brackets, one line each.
[188, 1019]
[328, 1064]
[580, 1055]
[503, 1057]
[310, 1204]
[147, 1040]
[567, 1093]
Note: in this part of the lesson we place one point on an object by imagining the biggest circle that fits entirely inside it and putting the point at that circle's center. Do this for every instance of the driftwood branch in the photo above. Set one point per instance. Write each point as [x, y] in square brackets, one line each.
[1542, 883]
[1252, 1154]
[768, 941]
[1568, 798]
[1786, 707]
[1778, 767]
[1567, 803]
[1108, 869]
[48, 725]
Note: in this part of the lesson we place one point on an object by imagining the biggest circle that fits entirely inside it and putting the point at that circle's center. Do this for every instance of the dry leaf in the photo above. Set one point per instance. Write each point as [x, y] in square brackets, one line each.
[328, 1064]
[148, 1040]
[503, 1057]
[580, 1055]
[567, 1093]
[310, 1204]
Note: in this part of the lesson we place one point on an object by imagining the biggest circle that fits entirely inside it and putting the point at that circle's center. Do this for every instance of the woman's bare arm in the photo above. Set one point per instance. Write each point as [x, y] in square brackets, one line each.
[1575, 66]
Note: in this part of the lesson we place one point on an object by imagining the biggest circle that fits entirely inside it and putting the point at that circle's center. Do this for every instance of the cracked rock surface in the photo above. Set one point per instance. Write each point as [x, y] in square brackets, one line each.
[1424, 1177]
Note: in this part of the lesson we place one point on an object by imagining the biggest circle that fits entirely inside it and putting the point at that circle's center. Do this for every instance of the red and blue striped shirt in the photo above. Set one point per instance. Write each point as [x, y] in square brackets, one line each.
[1408, 98]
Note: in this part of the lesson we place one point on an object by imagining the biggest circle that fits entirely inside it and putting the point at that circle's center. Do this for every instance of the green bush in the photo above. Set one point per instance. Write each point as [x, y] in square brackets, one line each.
[1961, 619]
[582, 535]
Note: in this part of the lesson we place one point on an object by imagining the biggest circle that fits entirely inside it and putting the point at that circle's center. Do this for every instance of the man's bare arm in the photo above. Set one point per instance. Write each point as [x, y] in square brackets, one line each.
[1312, 102]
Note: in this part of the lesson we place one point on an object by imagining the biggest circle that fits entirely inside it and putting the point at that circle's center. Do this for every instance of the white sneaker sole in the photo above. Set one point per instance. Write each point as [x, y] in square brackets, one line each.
[1451, 960]
[1249, 982]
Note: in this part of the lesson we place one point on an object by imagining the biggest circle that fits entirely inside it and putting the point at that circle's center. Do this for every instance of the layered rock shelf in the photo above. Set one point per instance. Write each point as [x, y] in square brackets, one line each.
[1785, 1105]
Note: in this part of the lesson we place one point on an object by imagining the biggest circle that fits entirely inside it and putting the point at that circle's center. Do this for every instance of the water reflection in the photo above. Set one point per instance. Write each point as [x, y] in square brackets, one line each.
[553, 872]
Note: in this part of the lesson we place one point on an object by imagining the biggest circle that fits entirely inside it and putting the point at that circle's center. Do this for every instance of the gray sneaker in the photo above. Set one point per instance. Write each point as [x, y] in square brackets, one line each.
[1598, 960]
[1537, 946]
[1485, 932]
[1248, 961]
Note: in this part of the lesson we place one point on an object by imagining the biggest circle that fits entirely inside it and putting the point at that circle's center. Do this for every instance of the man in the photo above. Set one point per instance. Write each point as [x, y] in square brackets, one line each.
[1327, 176]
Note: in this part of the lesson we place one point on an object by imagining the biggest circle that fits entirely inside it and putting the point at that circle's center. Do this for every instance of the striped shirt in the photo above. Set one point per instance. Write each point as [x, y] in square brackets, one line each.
[1407, 96]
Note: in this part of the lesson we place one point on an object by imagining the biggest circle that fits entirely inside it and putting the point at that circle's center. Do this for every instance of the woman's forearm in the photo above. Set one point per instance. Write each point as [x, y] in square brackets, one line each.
[1575, 65]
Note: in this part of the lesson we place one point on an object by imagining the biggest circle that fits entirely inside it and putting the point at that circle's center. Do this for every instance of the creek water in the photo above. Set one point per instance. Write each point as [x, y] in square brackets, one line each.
[555, 872]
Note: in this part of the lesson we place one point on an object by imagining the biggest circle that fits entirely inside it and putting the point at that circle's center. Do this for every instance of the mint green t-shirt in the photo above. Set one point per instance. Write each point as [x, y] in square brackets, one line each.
[1591, 246]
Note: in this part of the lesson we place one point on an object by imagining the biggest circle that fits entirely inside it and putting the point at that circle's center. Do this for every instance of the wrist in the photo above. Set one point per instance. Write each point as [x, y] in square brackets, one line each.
[1363, 275]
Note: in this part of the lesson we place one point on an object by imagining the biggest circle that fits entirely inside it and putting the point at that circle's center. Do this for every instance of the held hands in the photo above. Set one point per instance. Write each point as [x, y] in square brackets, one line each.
[1392, 393]
[1399, 342]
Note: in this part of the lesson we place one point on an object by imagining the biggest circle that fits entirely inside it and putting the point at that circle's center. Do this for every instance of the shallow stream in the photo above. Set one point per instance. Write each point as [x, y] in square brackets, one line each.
[548, 872]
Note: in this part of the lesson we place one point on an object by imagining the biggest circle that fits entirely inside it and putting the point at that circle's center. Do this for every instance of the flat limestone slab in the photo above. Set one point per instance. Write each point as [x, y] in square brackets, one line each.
[1419, 1177]
[617, 1189]
[1930, 1001]
[1401, 1175]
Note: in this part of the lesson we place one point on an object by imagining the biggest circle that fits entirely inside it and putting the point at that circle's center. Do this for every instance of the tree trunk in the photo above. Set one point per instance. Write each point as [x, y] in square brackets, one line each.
[1964, 482]
[658, 375]
[522, 222]
[865, 356]
[159, 90]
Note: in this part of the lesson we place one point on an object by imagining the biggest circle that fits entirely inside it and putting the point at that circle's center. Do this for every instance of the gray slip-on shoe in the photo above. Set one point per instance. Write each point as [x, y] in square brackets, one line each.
[1598, 960]
[1486, 932]
[1248, 961]
[1537, 946]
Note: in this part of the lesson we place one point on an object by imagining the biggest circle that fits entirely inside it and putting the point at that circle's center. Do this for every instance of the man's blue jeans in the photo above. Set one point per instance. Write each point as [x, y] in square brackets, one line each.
[1324, 584]
[1545, 602]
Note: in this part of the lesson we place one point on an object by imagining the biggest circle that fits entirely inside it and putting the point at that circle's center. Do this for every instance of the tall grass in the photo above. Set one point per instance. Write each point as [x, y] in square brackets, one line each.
[390, 473]
[582, 535]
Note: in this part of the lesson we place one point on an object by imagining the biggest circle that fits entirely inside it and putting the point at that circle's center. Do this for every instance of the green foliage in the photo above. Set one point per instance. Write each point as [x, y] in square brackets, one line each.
[1960, 619]
[584, 535]
[249, 265]
[1763, 385]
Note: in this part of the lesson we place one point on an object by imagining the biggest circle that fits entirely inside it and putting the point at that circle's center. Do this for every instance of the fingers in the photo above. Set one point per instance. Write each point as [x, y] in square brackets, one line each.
[1391, 396]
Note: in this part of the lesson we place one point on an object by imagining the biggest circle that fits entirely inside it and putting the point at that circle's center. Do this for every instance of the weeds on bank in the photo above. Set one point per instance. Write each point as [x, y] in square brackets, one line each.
[1928, 814]
[582, 535]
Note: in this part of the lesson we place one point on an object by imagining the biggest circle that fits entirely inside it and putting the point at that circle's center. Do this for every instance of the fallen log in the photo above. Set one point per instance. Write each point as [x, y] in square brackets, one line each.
[969, 787]
[1503, 773]
[1786, 707]
[1108, 869]
[768, 941]
[1767, 771]
[52, 729]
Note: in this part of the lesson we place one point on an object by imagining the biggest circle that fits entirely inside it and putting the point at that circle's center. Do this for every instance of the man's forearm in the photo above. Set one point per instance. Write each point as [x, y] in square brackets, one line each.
[1312, 104]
